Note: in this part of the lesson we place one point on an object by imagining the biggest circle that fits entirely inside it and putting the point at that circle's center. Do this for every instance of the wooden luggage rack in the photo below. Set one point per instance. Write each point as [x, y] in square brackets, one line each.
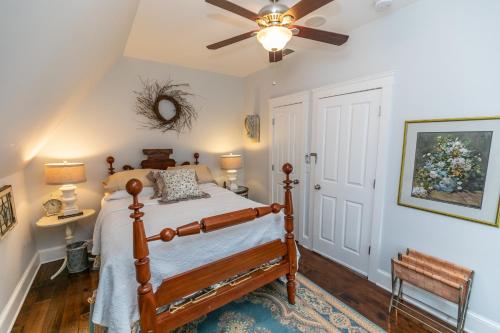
[439, 277]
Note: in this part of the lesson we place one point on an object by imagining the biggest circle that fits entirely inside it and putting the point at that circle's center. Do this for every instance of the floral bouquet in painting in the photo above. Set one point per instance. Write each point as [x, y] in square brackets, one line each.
[451, 167]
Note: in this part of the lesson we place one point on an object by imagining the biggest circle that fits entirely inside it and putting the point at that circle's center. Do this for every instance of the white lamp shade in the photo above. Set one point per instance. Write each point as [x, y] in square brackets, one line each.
[274, 38]
[231, 162]
[64, 173]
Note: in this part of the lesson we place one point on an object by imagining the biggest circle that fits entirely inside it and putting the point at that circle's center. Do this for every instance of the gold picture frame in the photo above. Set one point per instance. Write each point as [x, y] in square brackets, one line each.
[458, 127]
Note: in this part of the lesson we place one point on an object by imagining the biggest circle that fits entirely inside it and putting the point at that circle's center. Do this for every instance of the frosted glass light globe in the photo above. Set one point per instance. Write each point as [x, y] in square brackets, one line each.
[274, 38]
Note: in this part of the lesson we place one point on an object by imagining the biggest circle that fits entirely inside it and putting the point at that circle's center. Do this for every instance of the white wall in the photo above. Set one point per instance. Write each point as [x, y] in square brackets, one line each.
[53, 53]
[106, 124]
[17, 252]
[445, 58]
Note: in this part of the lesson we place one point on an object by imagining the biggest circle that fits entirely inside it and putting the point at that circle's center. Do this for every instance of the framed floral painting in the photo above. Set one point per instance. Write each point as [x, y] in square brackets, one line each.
[450, 167]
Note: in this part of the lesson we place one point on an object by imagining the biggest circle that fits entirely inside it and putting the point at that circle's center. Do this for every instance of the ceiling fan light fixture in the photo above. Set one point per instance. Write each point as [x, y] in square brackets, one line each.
[274, 38]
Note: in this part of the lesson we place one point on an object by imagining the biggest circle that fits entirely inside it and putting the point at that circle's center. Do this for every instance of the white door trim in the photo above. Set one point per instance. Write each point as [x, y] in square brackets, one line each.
[384, 82]
[296, 98]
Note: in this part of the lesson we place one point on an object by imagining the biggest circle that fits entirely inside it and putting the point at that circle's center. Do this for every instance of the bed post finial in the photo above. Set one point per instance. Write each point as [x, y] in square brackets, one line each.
[196, 157]
[289, 238]
[110, 160]
[147, 301]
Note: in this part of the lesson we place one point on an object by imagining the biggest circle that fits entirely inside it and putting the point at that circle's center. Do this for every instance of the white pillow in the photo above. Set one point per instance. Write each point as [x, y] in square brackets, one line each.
[118, 181]
[123, 194]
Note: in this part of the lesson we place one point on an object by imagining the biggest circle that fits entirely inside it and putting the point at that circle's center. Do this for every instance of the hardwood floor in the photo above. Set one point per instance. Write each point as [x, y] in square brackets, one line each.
[58, 305]
[61, 305]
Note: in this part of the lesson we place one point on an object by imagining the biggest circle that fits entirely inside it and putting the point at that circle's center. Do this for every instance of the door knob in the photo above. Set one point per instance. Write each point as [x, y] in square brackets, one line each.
[317, 187]
[296, 181]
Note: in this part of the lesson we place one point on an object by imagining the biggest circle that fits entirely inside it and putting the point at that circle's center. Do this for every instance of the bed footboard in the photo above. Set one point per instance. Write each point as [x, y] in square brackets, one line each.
[250, 268]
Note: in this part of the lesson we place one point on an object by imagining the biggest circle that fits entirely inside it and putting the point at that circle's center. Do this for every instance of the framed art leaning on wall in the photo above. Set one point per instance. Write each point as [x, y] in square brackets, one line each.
[450, 167]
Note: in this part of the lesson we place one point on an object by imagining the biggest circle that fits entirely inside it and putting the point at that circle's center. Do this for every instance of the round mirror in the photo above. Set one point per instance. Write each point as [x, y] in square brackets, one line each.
[167, 109]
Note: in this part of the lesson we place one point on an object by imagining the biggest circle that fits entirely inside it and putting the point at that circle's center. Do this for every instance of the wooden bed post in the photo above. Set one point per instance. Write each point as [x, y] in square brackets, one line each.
[146, 298]
[289, 238]
[110, 160]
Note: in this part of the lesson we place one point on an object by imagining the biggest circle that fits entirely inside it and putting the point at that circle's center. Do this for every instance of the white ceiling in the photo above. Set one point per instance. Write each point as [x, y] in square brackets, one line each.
[177, 32]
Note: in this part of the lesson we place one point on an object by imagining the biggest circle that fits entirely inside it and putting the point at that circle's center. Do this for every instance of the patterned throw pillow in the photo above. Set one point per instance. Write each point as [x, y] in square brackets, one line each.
[180, 185]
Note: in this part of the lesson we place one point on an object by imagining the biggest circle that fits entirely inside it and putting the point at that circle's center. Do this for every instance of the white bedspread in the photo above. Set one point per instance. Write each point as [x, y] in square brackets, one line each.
[116, 302]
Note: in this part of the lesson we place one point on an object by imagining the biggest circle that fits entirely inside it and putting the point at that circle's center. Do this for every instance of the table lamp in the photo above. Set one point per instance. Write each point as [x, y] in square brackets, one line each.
[231, 163]
[66, 174]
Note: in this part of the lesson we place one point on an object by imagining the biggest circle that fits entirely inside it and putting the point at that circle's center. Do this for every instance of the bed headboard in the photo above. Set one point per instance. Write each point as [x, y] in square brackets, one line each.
[156, 159]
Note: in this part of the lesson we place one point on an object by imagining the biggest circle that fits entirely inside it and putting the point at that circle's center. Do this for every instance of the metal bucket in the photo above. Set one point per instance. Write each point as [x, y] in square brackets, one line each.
[77, 257]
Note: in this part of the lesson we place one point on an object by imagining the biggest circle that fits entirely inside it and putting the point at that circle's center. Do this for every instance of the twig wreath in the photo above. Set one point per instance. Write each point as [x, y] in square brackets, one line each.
[165, 106]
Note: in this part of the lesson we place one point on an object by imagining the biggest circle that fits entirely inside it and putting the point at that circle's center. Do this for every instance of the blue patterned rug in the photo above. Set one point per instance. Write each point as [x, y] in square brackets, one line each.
[267, 310]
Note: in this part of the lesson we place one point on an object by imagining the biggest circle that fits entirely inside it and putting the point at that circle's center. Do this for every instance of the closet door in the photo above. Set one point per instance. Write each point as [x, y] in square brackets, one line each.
[288, 116]
[346, 138]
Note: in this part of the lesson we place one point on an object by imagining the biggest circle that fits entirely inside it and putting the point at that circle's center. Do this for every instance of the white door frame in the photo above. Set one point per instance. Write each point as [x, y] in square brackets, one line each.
[384, 82]
[305, 98]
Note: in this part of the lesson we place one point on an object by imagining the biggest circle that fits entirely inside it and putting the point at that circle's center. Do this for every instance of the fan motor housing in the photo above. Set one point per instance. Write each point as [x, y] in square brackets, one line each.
[274, 14]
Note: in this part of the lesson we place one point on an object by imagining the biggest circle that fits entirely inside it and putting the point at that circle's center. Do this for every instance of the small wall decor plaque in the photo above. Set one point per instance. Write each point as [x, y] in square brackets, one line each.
[252, 127]
[449, 167]
[165, 106]
[7, 210]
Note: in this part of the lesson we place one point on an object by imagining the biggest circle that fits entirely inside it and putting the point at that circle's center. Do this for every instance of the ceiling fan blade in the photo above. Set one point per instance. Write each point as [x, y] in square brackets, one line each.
[276, 56]
[233, 8]
[321, 35]
[230, 41]
[304, 7]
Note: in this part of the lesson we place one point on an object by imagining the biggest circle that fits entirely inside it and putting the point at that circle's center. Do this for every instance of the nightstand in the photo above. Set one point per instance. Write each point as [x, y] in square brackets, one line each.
[53, 221]
[242, 190]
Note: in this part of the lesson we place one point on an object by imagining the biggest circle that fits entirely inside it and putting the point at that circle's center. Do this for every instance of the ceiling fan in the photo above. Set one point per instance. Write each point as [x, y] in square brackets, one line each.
[276, 26]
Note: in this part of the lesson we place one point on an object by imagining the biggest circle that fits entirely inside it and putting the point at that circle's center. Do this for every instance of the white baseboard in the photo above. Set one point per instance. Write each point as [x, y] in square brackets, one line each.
[475, 323]
[52, 254]
[11, 310]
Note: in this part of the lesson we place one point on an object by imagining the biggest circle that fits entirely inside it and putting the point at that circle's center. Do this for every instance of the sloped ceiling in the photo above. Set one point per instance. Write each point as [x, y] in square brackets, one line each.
[52, 52]
[177, 32]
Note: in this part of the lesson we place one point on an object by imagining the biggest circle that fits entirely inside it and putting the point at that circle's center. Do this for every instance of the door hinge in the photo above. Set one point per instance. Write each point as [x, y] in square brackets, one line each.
[380, 110]
[369, 250]
[272, 167]
[273, 121]
[374, 183]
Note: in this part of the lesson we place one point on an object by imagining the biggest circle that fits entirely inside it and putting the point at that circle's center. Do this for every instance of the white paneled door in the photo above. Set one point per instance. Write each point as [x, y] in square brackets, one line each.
[288, 141]
[346, 139]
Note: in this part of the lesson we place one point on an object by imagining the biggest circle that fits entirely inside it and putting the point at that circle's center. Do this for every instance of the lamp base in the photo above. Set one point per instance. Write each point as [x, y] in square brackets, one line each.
[231, 177]
[68, 199]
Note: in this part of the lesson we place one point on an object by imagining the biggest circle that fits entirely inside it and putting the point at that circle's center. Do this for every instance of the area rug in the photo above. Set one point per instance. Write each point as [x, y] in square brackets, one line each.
[267, 310]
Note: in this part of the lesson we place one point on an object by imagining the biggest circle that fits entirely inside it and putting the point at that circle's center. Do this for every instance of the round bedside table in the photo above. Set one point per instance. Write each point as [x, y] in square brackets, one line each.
[53, 221]
[242, 190]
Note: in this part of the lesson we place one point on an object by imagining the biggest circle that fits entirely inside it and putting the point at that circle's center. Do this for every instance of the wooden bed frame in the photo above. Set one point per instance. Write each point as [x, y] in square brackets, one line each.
[249, 265]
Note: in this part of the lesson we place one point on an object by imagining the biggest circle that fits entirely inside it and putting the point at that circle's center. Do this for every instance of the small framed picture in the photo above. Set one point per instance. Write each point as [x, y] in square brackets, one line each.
[7, 210]
[450, 167]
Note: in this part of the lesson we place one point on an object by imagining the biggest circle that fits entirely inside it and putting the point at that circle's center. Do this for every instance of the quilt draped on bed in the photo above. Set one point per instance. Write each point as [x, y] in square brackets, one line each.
[116, 300]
